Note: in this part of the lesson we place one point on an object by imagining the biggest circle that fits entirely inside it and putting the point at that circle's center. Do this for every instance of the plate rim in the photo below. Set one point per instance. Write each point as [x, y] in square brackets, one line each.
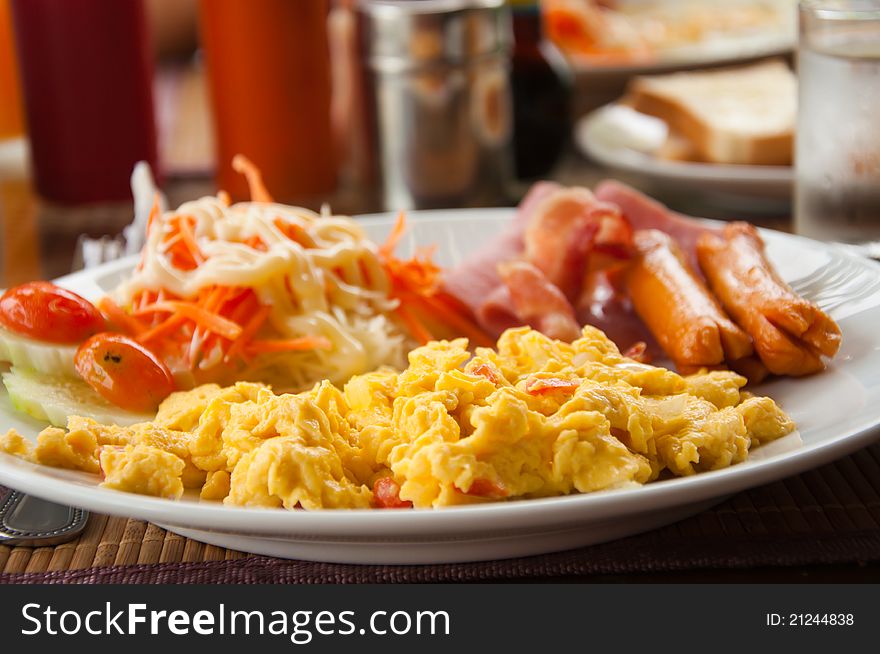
[581, 66]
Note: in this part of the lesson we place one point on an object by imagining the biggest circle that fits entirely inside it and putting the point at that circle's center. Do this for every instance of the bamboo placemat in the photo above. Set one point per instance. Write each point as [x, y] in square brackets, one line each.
[824, 516]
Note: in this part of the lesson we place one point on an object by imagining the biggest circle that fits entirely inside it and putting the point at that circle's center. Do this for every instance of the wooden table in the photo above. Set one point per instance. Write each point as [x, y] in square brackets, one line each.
[38, 240]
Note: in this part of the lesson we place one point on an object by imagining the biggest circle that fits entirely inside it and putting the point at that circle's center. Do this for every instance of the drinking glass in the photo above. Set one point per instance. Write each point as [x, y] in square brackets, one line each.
[87, 80]
[837, 158]
[268, 65]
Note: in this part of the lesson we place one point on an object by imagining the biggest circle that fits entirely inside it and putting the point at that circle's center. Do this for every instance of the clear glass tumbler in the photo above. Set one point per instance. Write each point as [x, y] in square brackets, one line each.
[837, 158]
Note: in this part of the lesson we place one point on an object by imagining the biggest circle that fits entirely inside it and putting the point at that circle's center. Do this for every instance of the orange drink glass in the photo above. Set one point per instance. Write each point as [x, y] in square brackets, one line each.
[11, 123]
[268, 66]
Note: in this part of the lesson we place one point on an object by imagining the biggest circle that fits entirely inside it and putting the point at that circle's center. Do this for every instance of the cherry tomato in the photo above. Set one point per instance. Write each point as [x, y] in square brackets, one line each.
[124, 372]
[47, 312]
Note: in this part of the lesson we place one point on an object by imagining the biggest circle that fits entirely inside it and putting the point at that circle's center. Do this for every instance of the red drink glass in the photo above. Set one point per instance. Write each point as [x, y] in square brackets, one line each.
[86, 70]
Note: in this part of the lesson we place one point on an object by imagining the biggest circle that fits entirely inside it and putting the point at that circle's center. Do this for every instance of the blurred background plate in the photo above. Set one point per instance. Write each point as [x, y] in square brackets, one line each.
[655, 37]
[740, 188]
[722, 51]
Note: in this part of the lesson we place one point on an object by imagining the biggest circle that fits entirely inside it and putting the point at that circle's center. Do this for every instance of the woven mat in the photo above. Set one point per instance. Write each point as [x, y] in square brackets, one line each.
[830, 515]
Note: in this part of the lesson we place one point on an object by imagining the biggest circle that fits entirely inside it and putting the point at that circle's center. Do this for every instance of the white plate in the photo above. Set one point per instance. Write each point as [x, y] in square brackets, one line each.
[702, 55]
[837, 412]
[714, 49]
[772, 183]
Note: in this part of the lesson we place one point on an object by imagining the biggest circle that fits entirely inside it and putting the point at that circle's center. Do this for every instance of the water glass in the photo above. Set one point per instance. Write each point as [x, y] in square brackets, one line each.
[837, 158]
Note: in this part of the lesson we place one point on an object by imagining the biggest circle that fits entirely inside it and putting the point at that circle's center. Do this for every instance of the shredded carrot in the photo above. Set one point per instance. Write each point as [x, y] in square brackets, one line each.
[201, 317]
[415, 326]
[289, 345]
[210, 299]
[164, 328]
[223, 198]
[171, 242]
[386, 251]
[295, 233]
[143, 298]
[154, 212]
[119, 317]
[259, 193]
[255, 243]
[188, 238]
[247, 333]
[216, 297]
[245, 308]
[437, 308]
[419, 276]
[415, 282]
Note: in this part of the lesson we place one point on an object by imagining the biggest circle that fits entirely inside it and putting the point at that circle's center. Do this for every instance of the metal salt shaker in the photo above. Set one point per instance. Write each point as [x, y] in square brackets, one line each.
[435, 77]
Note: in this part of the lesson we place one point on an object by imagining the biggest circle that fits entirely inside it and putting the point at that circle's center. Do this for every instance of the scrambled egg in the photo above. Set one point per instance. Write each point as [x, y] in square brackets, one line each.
[534, 418]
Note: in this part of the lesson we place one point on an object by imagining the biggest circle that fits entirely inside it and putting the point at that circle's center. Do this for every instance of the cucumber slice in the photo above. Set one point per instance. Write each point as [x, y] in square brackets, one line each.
[46, 358]
[53, 398]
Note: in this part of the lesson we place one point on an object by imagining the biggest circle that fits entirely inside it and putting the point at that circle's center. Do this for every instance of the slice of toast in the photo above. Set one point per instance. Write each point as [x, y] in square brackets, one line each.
[743, 115]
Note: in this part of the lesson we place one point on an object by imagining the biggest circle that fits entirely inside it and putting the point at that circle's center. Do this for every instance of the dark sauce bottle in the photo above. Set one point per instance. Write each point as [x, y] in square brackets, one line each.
[542, 87]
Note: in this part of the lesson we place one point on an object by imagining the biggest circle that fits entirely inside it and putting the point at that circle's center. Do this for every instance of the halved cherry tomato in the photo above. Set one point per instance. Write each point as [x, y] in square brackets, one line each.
[124, 372]
[47, 312]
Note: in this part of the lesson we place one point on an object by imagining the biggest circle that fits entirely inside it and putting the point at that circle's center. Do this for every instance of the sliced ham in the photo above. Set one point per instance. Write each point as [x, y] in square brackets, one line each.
[497, 313]
[565, 230]
[643, 212]
[473, 280]
[538, 302]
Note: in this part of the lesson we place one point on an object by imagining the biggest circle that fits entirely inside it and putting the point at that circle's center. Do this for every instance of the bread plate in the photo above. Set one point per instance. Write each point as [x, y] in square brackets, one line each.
[771, 184]
[837, 412]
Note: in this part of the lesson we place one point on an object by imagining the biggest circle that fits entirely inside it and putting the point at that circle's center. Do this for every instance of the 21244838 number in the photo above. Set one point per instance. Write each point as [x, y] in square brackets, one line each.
[809, 619]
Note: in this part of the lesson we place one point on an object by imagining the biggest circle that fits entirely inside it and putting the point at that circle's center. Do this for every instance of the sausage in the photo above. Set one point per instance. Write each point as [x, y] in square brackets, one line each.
[683, 316]
[790, 334]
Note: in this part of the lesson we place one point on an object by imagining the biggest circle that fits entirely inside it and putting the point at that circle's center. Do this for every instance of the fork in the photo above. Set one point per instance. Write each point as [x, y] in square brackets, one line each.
[31, 522]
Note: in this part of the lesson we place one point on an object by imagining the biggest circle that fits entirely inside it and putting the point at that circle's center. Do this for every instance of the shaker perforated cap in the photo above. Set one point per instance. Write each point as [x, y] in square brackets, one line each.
[402, 34]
